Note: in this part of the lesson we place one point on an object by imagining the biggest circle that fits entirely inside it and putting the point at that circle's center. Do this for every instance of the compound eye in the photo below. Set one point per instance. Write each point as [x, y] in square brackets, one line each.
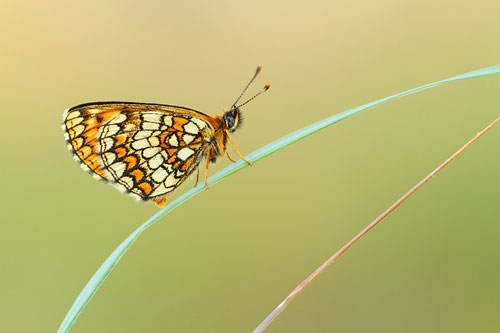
[229, 119]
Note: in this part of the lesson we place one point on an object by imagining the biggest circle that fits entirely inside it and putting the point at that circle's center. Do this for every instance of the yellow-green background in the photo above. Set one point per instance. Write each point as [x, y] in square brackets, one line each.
[223, 260]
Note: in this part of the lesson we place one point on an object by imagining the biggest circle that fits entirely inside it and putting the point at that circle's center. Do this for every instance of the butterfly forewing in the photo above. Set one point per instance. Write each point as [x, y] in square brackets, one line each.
[146, 150]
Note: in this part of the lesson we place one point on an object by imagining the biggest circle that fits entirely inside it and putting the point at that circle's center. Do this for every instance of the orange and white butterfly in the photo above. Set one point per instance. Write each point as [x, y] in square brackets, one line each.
[148, 150]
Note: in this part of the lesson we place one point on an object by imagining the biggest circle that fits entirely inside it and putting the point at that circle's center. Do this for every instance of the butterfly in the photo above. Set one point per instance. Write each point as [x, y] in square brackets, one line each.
[148, 150]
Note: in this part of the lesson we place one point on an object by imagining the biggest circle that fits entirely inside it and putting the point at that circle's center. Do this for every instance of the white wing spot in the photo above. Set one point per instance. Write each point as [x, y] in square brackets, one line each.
[187, 138]
[72, 115]
[191, 128]
[150, 126]
[118, 119]
[167, 120]
[156, 161]
[153, 141]
[140, 144]
[76, 131]
[142, 134]
[161, 189]
[173, 140]
[118, 169]
[152, 117]
[159, 175]
[127, 181]
[150, 152]
[171, 180]
[109, 158]
[165, 155]
[201, 124]
[109, 130]
[106, 144]
[73, 122]
[78, 142]
[184, 153]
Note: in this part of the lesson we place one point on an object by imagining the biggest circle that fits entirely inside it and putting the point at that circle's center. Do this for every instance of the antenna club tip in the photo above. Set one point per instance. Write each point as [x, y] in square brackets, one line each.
[267, 87]
[259, 68]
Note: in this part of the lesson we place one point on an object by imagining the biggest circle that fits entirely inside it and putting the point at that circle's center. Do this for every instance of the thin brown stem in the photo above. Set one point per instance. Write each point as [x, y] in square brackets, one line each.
[337, 254]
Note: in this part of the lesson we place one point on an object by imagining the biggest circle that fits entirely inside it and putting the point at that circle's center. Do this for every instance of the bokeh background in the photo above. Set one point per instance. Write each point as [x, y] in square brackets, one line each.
[223, 260]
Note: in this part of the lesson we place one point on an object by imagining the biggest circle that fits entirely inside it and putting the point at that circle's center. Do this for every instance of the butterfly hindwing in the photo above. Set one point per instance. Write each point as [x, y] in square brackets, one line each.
[146, 150]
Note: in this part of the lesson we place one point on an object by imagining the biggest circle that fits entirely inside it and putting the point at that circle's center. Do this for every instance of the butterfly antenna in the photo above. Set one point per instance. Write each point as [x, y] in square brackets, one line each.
[266, 87]
[248, 85]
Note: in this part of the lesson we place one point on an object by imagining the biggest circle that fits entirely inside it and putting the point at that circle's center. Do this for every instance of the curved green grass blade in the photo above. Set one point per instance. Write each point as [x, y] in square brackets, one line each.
[97, 279]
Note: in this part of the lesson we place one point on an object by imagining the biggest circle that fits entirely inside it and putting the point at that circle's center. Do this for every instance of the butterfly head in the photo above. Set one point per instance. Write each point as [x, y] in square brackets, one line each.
[232, 119]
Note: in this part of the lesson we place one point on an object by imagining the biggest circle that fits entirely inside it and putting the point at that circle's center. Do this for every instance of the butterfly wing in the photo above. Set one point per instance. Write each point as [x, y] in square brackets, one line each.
[146, 150]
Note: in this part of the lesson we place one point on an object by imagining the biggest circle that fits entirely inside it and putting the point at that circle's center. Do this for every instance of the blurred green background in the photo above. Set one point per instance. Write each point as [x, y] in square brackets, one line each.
[223, 260]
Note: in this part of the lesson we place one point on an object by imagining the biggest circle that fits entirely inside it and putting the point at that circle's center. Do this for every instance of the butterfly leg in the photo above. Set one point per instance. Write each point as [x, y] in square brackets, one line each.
[236, 149]
[197, 177]
[206, 166]
[230, 157]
